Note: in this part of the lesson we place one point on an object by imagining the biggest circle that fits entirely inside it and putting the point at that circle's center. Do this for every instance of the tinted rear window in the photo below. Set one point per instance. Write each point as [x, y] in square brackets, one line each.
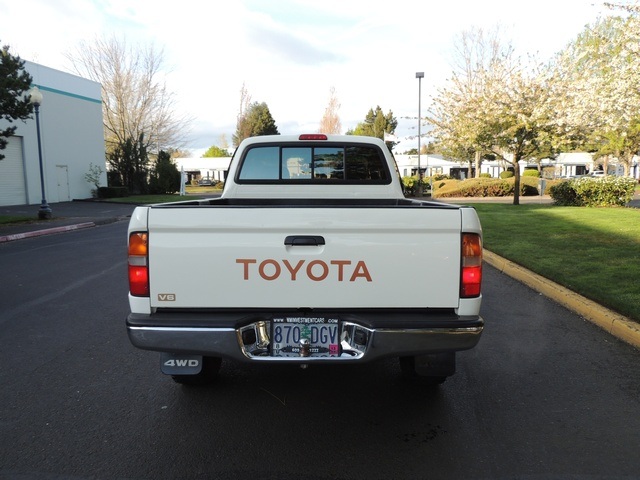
[314, 164]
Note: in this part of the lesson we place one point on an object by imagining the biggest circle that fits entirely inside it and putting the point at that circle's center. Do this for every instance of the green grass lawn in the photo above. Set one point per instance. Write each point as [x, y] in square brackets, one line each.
[146, 199]
[592, 251]
[192, 193]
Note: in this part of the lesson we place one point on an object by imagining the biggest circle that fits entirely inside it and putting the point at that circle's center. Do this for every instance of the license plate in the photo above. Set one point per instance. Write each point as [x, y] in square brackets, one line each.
[305, 337]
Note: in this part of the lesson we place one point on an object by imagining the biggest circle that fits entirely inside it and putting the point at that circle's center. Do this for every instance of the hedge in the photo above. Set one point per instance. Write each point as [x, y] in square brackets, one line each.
[112, 192]
[485, 187]
[608, 191]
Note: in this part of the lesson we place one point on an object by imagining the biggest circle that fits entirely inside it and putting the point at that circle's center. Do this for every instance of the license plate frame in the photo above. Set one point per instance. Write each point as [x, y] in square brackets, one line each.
[322, 333]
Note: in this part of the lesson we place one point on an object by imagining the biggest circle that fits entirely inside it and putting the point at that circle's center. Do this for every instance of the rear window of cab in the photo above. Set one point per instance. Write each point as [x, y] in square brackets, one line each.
[313, 164]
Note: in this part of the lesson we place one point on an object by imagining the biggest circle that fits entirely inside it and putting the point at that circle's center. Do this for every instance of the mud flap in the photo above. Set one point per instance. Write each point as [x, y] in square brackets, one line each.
[436, 364]
[176, 364]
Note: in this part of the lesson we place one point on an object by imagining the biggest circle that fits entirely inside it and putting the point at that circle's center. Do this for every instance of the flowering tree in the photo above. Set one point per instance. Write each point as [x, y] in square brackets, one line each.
[519, 114]
[601, 74]
[496, 104]
[453, 114]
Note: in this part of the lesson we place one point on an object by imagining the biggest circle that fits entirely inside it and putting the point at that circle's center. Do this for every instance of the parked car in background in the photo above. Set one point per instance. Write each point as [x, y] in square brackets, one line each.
[204, 182]
[598, 173]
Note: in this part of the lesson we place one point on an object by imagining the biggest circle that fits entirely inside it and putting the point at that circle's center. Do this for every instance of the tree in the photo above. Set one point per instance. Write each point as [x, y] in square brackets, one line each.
[178, 153]
[223, 143]
[255, 122]
[93, 176]
[242, 126]
[601, 72]
[495, 104]
[135, 100]
[330, 122]
[214, 151]
[519, 117]
[14, 82]
[129, 165]
[453, 114]
[165, 177]
[376, 124]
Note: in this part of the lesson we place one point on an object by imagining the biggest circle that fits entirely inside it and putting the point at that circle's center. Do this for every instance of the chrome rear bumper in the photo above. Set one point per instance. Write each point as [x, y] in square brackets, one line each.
[358, 342]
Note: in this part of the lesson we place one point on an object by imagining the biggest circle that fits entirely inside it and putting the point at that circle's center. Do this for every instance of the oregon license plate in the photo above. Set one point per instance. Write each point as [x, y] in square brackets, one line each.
[305, 337]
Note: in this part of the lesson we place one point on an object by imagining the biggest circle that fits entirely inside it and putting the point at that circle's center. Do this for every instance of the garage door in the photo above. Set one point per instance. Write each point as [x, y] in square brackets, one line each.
[12, 187]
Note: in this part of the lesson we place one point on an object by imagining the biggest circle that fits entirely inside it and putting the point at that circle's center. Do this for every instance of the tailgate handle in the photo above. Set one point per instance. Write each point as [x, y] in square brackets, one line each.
[304, 240]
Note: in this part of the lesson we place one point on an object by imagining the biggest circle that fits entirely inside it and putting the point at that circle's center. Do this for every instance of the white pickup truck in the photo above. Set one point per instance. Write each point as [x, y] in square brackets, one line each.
[311, 255]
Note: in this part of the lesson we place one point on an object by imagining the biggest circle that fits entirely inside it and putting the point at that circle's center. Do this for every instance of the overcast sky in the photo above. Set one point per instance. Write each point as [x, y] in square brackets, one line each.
[289, 53]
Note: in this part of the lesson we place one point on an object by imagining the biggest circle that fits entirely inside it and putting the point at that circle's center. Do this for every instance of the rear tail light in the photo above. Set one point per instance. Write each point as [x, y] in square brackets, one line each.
[471, 274]
[138, 264]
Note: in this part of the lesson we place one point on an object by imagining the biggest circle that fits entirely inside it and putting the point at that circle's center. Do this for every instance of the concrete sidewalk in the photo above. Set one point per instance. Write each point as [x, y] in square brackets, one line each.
[70, 216]
[67, 216]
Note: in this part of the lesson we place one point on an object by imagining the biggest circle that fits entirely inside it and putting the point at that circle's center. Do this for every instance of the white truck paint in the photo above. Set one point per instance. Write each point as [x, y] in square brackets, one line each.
[311, 239]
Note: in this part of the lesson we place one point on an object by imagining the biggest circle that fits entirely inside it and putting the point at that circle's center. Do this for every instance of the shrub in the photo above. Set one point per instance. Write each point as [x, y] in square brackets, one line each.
[529, 186]
[112, 192]
[113, 179]
[486, 187]
[410, 185]
[441, 176]
[608, 191]
[93, 176]
[485, 175]
[506, 174]
[563, 194]
[531, 173]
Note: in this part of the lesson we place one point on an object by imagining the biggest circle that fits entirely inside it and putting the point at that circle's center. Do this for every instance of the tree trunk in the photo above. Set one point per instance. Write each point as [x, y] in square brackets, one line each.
[516, 183]
[628, 160]
[478, 163]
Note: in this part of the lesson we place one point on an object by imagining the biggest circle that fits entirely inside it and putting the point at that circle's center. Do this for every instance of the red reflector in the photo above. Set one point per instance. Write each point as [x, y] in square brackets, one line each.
[313, 136]
[139, 281]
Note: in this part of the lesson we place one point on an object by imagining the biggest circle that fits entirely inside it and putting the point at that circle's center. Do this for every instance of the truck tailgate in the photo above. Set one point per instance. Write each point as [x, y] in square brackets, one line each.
[230, 257]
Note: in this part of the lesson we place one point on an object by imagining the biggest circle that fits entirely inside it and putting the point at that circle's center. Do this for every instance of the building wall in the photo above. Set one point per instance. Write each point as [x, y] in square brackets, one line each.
[212, 168]
[72, 138]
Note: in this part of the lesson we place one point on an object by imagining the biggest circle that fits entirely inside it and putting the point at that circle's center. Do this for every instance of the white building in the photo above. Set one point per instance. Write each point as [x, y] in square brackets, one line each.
[430, 164]
[211, 168]
[565, 165]
[72, 138]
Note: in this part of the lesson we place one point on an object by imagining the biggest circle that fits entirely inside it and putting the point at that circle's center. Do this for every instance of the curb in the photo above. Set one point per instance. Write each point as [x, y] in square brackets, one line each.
[47, 231]
[615, 324]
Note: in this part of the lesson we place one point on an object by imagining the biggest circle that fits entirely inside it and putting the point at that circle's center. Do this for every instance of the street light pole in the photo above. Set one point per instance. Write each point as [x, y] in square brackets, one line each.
[35, 97]
[419, 76]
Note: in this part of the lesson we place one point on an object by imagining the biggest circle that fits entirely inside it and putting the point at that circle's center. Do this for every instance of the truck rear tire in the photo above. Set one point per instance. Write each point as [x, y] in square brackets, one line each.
[208, 374]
